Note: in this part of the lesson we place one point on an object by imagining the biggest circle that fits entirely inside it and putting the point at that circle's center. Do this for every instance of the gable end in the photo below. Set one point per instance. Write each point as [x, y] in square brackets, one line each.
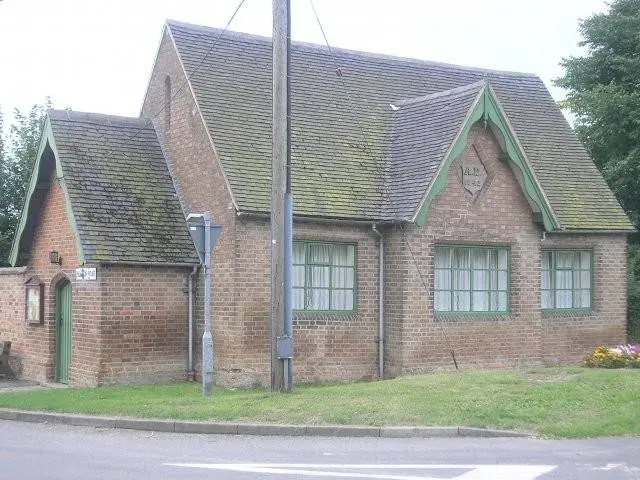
[487, 108]
[46, 161]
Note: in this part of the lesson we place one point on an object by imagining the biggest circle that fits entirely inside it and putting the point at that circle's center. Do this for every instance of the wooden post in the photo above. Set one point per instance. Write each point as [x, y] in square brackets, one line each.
[278, 185]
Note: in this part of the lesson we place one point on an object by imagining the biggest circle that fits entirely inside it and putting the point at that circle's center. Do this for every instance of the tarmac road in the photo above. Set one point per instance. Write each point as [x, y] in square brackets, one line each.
[50, 451]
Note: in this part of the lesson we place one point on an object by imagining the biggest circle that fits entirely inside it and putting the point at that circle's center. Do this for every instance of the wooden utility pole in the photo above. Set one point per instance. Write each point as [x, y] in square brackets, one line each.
[281, 205]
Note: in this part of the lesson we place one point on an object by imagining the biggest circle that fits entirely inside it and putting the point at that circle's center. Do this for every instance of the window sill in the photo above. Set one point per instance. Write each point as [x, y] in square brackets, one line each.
[471, 315]
[324, 313]
[568, 312]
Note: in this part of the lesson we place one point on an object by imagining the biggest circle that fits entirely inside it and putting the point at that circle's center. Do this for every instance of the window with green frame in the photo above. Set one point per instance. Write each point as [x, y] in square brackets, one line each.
[471, 279]
[566, 279]
[324, 276]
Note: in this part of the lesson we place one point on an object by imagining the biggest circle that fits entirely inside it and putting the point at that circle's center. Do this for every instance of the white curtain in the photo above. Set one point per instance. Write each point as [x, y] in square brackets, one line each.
[442, 280]
[319, 291]
[545, 281]
[480, 265]
[461, 280]
[582, 280]
[564, 279]
[298, 275]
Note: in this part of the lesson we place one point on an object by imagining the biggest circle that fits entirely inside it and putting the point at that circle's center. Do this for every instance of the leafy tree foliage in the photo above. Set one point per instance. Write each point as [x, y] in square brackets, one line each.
[17, 156]
[604, 94]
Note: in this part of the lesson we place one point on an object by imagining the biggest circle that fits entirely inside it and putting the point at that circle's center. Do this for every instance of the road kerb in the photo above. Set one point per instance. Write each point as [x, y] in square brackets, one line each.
[420, 432]
[488, 432]
[179, 426]
[207, 428]
[143, 424]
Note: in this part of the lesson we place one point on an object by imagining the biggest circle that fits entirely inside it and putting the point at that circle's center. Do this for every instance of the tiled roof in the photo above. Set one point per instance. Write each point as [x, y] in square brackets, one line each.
[122, 196]
[341, 120]
[422, 131]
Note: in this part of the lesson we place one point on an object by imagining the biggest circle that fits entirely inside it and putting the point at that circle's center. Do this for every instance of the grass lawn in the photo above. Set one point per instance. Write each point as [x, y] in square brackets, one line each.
[561, 402]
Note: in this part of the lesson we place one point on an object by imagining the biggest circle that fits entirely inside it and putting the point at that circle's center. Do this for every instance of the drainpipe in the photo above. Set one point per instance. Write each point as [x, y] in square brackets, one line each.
[190, 370]
[380, 338]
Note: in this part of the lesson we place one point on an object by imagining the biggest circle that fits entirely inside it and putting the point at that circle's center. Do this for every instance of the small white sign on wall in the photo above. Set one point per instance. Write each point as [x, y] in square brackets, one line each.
[85, 273]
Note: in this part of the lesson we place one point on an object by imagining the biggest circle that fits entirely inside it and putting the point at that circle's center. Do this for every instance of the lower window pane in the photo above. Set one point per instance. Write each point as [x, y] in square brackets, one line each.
[501, 306]
[564, 299]
[461, 301]
[498, 302]
[442, 301]
[582, 299]
[298, 298]
[547, 299]
[319, 299]
[480, 301]
[341, 300]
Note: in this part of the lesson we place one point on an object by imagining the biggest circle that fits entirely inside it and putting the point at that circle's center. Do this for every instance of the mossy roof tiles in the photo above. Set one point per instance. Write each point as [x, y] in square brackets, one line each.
[343, 127]
[121, 193]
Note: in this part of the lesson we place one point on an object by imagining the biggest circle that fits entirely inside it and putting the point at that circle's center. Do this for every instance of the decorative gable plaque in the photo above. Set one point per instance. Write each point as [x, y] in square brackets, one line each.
[473, 174]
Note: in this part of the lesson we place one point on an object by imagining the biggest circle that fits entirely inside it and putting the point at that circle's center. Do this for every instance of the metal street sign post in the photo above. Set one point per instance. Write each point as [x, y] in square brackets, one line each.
[205, 237]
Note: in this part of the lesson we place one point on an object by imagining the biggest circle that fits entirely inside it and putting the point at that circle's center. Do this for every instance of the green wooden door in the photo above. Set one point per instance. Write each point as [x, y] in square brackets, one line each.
[64, 328]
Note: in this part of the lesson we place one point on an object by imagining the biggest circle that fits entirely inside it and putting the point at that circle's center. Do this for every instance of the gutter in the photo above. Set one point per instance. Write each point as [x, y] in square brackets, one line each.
[593, 232]
[145, 264]
[301, 218]
[380, 339]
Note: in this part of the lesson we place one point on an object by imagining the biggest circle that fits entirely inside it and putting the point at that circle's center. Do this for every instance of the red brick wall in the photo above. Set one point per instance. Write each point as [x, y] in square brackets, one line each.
[327, 346]
[13, 326]
[201, 186]
[498, 215]
[34, 345]
[143, 324]
[566, 339]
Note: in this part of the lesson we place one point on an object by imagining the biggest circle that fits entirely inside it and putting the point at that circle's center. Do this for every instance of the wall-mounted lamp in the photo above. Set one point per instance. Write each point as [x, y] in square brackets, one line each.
[54, 257]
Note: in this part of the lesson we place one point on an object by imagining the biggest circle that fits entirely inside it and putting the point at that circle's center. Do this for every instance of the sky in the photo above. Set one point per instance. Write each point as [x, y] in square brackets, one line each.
[97, 56]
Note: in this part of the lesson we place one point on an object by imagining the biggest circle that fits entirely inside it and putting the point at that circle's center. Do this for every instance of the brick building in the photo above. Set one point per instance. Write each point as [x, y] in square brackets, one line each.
[437, 208]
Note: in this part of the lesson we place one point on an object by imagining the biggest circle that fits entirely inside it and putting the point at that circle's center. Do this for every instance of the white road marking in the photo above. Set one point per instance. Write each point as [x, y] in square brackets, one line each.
[476, 472]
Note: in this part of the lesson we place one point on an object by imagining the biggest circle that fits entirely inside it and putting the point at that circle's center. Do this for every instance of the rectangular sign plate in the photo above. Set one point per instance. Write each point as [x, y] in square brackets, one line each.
[85, 273]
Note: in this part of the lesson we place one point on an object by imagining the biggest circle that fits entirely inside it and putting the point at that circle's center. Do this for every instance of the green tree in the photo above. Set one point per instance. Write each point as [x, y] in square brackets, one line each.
[603, 91]
[17, 156]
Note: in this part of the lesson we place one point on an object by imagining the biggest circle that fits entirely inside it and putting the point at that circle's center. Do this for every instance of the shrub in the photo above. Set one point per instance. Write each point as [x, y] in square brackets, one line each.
[619, 356]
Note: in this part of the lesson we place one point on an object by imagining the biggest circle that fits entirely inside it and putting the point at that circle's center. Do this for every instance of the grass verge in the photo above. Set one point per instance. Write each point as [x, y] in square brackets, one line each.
[560, 402]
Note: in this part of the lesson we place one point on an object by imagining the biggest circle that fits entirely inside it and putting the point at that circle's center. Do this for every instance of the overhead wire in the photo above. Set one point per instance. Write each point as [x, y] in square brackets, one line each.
[385, 193]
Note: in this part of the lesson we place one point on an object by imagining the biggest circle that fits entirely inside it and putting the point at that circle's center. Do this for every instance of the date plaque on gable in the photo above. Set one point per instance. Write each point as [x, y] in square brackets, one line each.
[473, 175]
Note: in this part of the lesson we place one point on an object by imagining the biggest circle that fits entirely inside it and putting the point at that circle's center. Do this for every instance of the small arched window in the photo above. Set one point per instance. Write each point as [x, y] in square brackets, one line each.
[167, 102]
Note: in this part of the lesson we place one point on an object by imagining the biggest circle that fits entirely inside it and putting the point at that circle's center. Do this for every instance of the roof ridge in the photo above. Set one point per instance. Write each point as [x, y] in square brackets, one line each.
[97, 118]
[451, 92]
[255, 38]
